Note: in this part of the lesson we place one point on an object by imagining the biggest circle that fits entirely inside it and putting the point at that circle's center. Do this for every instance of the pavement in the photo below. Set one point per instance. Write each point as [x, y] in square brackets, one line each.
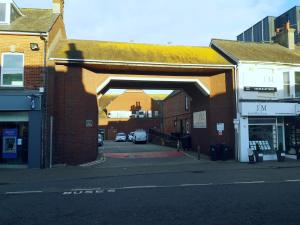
[143, 163]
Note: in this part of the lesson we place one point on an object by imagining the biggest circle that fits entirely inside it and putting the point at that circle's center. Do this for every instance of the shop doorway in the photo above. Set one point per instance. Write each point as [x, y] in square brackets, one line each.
[267, 134]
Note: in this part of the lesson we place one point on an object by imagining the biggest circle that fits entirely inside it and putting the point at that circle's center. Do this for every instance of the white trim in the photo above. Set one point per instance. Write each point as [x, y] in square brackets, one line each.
[266, 62]
[24, 33]
[200, 86]
[2, 70]
[137, 63]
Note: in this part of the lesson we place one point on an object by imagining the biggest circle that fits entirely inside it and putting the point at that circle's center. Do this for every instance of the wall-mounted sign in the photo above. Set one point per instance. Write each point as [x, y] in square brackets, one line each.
[9, 150]
[199, 119]
[220, 127]
[89, 123]
[268, 109]
[261, 89]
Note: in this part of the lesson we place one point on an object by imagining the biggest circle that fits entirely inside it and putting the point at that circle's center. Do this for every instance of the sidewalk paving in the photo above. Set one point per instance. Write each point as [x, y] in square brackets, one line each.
[15, 176]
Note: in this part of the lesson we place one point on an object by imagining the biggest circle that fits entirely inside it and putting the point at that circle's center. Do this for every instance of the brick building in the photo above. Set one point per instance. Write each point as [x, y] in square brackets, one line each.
[177, 115]
[27, 37]
[134, 109]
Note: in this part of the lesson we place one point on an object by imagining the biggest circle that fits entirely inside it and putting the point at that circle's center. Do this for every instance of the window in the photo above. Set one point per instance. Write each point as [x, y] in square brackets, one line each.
[12, 69]
[2, 12]
[286, 84]
[187, 103]
[297, 84]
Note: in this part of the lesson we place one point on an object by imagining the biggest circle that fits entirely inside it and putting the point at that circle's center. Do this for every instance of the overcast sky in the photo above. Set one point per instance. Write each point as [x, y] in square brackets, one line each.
[177, 22]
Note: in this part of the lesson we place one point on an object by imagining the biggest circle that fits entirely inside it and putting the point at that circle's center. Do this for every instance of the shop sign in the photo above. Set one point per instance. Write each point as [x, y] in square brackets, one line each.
[268, 109]
[199, 119]
[261, 89]
[9, 150]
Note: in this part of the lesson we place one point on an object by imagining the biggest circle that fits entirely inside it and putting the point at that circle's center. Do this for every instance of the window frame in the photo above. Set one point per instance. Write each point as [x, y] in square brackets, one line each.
[6, 15]
[2, 68]
[289, 85]
[295, 84]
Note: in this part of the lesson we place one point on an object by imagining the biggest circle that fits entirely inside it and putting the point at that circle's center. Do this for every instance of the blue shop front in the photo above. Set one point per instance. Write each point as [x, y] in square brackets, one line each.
[20, 129]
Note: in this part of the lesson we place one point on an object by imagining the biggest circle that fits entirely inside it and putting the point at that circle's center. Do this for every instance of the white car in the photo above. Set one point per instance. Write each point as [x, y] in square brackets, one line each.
[130, 136]
[120, 137]
[140, 136]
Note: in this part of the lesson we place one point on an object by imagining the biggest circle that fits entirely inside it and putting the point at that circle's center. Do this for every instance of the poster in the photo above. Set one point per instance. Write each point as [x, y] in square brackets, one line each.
[199, 119]
[9, 150]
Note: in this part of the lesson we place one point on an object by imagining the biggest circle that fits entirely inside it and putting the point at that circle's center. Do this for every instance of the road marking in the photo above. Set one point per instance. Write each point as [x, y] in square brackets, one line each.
[22, 192]
[292, 180]
[249, 182]
[138, 187]
[193, 185]
[111, 190]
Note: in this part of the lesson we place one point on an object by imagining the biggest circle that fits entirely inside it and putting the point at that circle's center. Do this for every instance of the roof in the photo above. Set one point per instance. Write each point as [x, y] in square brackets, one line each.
[33, 20]
[260, 52]
[132, 52]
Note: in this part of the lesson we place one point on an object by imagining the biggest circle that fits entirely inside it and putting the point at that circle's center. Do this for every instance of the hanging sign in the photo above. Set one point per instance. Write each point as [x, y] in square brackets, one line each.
[9, 150]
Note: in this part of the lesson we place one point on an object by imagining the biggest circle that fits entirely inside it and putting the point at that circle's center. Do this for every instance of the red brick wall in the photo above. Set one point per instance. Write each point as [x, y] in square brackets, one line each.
[76, 102]
[33, 60]
[174, 110]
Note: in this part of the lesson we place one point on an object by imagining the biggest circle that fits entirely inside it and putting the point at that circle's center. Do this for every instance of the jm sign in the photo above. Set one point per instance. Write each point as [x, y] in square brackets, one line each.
[268, 109]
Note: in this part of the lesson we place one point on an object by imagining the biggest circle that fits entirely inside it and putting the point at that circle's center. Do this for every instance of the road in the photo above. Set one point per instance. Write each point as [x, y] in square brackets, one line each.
[168, 192]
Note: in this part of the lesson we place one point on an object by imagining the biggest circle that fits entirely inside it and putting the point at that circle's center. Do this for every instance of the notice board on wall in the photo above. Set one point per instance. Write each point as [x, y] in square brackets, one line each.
[199, 119]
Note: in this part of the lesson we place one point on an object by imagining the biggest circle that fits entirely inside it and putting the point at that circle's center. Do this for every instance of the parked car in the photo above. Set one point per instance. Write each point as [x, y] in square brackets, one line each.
[100, 140]
[130, 136]
[120, 137]
[140, 136]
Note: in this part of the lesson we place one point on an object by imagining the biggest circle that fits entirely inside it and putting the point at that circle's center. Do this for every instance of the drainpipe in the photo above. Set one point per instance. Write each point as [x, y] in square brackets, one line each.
[237, 140]
[44, 101]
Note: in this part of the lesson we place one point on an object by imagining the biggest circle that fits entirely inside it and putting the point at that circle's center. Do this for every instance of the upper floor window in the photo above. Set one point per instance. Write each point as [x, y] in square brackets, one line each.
[12, 70]
[297, 84]
[286, 84]
[187, 103]
[2, 12]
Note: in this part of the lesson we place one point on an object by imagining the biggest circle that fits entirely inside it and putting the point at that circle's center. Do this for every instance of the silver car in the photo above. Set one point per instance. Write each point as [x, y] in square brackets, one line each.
[120, 137]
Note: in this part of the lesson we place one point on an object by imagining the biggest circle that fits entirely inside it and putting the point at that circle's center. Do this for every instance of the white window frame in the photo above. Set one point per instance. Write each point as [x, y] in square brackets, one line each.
[21, 70]
[290, 85]
[187, 103]
[294, 83]
[7, 13]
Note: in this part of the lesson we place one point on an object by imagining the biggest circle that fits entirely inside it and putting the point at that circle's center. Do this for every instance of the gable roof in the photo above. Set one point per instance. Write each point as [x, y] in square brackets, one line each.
[258, 52]
[82, 50]
[33, 20]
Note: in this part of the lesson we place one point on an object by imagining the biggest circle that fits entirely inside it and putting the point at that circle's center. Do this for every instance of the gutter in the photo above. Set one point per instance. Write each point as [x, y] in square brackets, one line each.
[44, 34]
[137, 63]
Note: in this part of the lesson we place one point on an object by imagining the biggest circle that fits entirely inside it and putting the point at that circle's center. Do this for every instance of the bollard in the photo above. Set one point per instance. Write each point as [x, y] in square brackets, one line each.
[198, 151]
[178, 145]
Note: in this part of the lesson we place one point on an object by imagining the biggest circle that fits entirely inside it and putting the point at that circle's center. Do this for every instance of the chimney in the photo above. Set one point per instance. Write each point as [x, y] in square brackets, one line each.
[58, 7]
[286, 36]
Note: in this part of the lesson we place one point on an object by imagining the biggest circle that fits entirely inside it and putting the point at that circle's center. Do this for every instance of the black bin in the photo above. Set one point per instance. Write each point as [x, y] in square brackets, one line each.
[213, 152]
[224, 151]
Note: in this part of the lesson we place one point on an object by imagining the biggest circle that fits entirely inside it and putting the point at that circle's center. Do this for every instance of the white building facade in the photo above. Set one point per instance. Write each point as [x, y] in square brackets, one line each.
[267, 84]
[268, 109]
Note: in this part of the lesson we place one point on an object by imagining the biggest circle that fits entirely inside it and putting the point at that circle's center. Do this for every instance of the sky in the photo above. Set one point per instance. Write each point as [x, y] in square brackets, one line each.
[174, 22]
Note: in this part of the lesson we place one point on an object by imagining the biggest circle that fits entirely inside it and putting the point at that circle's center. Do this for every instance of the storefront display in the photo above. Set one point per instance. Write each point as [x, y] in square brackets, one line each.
[267, 133]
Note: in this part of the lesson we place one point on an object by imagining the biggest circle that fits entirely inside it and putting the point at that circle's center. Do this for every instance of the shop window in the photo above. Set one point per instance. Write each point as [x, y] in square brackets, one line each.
[12, 69]
[297, 84]
[286, 84]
